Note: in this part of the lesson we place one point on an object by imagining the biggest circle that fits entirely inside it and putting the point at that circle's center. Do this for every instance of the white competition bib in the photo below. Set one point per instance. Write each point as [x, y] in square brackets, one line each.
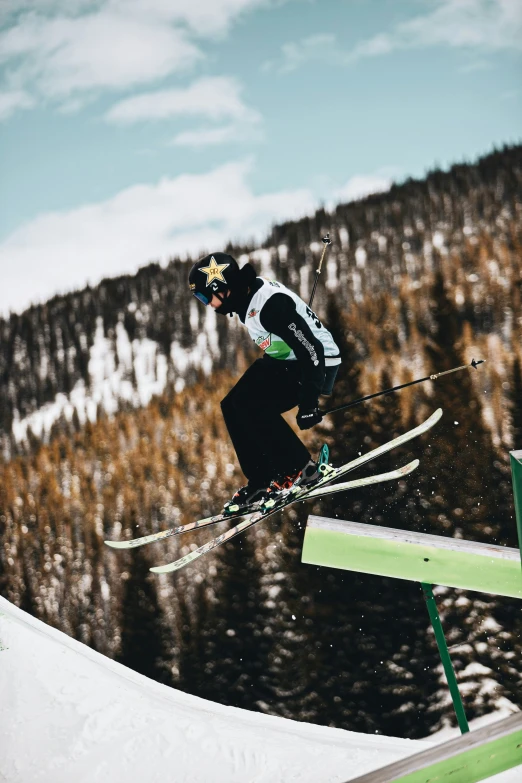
[272, 344]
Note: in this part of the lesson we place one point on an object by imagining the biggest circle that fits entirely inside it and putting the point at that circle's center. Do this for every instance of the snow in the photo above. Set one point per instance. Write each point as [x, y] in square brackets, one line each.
[67, 712]
[123, 347]
[112, 365]
[304, 291]
[151, 369]
[344, 237]
[199, 355]
[331, 274]
[356, 283]
[360, 257]
[438, 240]
[42, 420]
[283, 253]
[263, 260]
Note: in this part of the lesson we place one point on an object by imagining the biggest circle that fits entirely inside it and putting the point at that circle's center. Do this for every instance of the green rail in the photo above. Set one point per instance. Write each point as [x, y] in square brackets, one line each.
[467, 759]
[449, 671]
[418, 557]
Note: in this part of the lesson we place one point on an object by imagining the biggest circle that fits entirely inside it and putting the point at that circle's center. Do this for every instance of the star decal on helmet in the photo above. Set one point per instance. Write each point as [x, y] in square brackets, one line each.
[214, 271]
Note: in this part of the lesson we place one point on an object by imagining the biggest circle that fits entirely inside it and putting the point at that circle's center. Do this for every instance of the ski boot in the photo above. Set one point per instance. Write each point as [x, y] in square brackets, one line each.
[246, 499]
[313, 471]
[304, 480]
[279, 490]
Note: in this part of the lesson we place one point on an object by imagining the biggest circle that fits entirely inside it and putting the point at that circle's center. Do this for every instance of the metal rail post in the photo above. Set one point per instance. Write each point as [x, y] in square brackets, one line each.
[445, 658]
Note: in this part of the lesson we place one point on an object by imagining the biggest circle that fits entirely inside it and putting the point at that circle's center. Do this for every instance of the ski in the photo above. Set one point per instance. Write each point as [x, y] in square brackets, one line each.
[330, 475]
[175, 531]
[379, 478]
[254, 518]
[316, 492]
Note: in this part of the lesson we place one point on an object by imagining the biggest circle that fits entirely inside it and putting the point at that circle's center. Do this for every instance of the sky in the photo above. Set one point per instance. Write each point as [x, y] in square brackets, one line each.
[137, 130]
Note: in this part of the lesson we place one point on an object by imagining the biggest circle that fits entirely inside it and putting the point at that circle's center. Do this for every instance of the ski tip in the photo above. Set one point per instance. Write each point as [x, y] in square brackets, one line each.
[117, 544]
[163, 569]
[436, 415]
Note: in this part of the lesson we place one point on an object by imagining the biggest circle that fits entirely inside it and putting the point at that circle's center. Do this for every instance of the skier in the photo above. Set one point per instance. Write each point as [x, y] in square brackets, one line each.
[300, 362]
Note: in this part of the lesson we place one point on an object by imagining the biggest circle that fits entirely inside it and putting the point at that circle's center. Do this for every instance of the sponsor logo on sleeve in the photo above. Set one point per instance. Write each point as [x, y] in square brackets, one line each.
[264, 342]
[308, 345]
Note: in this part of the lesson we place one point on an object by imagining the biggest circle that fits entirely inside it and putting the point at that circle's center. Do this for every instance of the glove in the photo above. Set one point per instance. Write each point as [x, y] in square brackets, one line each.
[308, 417]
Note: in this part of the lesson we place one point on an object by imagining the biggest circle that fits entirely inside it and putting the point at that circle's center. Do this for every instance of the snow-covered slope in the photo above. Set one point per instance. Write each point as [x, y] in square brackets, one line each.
[121, 370]
[68, 713]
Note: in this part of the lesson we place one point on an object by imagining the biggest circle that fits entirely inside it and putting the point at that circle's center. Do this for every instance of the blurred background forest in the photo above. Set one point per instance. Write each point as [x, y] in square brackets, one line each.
[110, 427]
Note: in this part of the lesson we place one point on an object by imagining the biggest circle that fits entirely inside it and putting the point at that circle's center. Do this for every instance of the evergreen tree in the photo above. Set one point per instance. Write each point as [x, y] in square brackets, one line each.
[376, 661]
[236, 652]
[146, 644]
[28, 600]
[194, 628]
[464, 502]
[516, 410]
[289, 675]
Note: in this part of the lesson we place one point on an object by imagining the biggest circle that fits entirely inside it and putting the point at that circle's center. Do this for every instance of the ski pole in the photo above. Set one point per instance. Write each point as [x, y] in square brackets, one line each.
[326, 241]
[474, 363]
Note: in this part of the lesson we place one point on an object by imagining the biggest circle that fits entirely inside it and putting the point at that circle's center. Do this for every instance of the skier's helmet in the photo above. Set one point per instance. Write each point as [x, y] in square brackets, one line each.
[213, 275]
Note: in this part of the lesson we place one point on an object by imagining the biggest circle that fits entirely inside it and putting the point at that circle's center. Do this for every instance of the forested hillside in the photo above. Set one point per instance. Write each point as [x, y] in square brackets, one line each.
[111, 427]
[133, 336]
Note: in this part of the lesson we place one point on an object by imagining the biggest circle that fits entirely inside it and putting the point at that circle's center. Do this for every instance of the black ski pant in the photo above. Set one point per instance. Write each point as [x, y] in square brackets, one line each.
[266, 446]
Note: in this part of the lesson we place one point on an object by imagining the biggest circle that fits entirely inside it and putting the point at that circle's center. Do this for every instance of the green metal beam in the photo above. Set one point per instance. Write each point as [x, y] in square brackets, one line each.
[516, 474]
[449, 671]
[470, 758]
[414, 556]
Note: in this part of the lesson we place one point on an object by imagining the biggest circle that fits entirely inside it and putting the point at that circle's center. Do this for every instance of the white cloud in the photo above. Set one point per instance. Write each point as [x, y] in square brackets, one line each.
[211, 137]
[469, 24]
[361, 185]
[12, 101]
[101, 50]
[60, 251]
[476, 65]
[110, 44]
[214, 97]
[316, 47]
[45, 6]
[13, 8]
[203, 17]
[485, 25]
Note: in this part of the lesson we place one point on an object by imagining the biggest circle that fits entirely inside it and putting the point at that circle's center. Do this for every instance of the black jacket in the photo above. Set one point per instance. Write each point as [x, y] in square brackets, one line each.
[276, 316]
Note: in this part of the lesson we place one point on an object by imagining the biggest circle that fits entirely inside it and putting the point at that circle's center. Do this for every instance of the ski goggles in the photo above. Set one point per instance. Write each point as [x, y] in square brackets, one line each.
[202, 298]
